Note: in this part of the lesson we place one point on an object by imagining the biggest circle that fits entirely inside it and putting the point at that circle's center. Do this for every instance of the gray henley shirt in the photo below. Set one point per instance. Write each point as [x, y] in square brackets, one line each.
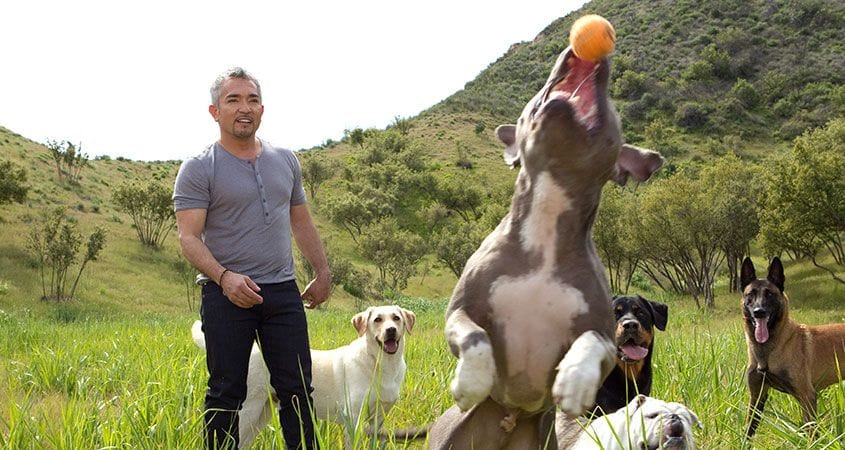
[247, 226]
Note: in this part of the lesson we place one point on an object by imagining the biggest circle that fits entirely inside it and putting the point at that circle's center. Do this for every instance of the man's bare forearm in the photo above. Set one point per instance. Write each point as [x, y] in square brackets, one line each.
[198, 254]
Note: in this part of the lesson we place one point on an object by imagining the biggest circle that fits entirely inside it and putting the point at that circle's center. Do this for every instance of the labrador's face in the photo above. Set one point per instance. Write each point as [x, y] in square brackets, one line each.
[385, 326]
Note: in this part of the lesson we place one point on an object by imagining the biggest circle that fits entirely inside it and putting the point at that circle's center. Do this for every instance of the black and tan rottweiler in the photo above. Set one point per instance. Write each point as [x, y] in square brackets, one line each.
[636, 319]
[785, 355]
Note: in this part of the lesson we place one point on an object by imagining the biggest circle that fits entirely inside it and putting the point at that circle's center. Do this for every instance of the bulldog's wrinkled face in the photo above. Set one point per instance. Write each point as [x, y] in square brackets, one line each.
[652, 424]
[385, 326]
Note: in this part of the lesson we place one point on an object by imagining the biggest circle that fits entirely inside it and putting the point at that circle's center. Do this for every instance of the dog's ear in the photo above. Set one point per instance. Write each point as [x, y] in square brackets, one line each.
[659, 311]
[507, 134]
[359, 321]
[637, 162]
[410, 319]
[776, 273]
[694, 418]
[747, 274]
[635, 404]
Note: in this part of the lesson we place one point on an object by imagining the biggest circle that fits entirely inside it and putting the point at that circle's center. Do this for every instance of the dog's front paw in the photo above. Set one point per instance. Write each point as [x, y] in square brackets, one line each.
[474, 376]
[579, 374]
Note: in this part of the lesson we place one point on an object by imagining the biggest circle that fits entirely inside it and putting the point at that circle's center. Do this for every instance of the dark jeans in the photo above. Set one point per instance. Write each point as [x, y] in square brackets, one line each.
[280, 325]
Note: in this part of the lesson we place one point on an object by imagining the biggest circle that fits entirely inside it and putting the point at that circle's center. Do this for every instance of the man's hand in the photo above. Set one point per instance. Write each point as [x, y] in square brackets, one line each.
[240, 290]
[317, 291]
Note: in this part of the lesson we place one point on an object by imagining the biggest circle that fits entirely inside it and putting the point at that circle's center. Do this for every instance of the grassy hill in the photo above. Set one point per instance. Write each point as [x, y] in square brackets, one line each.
[691, 79]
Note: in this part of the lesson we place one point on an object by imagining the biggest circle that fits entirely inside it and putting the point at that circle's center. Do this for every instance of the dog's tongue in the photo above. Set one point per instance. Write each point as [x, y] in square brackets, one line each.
[391, 346]
[634, 352]
[761, 330]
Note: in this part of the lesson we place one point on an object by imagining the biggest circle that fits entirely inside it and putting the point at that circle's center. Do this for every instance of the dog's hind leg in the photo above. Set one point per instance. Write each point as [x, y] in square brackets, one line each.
[807, 397]
[476, 369]
[253, 417]
[759, 391]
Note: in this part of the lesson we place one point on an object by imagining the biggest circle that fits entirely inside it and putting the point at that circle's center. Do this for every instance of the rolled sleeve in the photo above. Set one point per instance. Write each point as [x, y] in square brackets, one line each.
[192, 189]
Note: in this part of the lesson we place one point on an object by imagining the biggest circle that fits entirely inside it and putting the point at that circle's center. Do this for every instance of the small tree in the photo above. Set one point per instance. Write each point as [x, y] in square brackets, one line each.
[455, 243]
[151, 208]
[805, 205]
[315, 171]
[55, 241]
[611, 233]
[69, 159]
[12, 183]
[731, 188]
[359, 206]
[355, 136]
[679, 237]
[394, 252]
[462, 198]
[403, 125]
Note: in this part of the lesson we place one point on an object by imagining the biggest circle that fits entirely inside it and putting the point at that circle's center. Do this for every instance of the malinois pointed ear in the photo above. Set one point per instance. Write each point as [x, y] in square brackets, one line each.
[776, 273]
[747, 273]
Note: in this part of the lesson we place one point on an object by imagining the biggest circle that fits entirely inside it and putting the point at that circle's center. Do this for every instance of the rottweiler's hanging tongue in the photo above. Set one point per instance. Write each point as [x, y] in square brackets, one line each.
[761, 329]
[632, 352]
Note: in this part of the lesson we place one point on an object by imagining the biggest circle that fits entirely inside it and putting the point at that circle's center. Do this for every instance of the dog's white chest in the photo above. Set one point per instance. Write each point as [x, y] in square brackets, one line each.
[535, 313]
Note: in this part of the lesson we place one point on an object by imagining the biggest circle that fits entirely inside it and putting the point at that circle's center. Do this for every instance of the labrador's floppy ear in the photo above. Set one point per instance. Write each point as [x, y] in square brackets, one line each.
[410, 319]
[359, 321]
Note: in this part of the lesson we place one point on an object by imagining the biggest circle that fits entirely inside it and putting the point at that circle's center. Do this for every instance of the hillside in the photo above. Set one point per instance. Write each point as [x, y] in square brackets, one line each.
[764, 72]
[694, 80]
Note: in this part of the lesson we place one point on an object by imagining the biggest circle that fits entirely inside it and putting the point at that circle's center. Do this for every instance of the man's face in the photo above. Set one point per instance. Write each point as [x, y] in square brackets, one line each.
[240, 109]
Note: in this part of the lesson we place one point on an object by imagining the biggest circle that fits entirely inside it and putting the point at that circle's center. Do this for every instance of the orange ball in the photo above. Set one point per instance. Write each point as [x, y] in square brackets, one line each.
[592, 37]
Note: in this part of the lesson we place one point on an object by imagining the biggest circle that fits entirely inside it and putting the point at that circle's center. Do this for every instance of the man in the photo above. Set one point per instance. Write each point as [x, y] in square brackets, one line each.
[237, 204]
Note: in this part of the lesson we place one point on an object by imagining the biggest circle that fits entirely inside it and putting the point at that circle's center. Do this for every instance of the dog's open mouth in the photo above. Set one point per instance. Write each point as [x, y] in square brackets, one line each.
[761, 329]
[578, 86]
[390, 346]
[631, 352]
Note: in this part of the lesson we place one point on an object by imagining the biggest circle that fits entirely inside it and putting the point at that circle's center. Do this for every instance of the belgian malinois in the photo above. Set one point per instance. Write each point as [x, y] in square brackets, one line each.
[785, 355]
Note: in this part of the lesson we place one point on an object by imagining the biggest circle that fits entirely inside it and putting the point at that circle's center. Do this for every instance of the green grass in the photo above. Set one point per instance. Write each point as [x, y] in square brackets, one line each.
[137, 380]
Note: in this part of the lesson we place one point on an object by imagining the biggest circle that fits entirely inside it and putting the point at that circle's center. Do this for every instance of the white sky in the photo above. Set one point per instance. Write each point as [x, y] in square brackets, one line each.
[131, 78]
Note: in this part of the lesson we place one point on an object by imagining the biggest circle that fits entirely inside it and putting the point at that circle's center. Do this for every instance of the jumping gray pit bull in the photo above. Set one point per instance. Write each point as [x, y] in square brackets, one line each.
[529, 319]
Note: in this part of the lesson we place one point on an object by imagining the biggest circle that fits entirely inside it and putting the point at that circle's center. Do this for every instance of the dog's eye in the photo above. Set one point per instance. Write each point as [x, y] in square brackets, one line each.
[378, 319]
[395, 318]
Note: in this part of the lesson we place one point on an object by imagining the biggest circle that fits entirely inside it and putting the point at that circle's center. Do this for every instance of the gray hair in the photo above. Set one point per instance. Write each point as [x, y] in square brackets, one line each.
[234, 72]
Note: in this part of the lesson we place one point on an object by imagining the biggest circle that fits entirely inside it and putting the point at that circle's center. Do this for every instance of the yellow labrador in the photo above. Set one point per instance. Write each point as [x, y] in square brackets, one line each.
[363, 377]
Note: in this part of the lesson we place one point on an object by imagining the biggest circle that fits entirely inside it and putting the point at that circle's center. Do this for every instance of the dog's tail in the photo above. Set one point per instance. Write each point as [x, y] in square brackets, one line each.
[405, 434]
[198, 335]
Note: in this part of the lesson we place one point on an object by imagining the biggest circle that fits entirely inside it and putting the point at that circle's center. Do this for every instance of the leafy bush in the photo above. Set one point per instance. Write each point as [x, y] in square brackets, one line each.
[691, 116]
[150, 206]
[12, 183]
[630, 86]
[743, 91]
[54, 242]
